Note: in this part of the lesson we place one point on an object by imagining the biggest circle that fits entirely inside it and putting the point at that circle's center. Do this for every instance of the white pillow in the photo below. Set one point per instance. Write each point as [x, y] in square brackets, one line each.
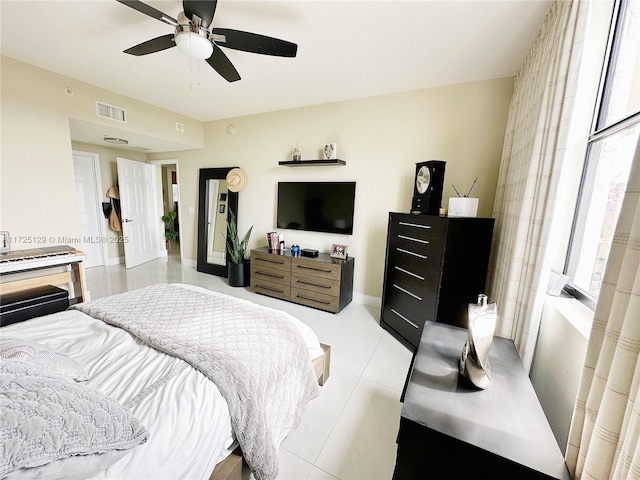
[41, 356]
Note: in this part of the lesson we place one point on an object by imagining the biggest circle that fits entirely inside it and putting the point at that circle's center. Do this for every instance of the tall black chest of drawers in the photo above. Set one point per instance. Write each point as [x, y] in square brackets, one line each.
[435, 266]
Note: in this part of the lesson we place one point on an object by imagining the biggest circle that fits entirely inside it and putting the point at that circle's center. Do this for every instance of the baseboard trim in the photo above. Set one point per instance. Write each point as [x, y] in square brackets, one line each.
[187, 262]
[368, 300]
[114, 261]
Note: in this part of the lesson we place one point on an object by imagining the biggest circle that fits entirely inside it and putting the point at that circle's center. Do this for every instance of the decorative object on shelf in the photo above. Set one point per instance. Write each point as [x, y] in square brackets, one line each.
[295, 250]
[463, 206]
[239, 267]
[236, 179]
[297, 156]
[339, 251]
[330, 151]
[474, 360]
[427, 188]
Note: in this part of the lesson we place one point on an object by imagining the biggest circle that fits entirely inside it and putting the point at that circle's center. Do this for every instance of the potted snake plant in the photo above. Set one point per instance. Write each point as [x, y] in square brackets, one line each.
[239, 272]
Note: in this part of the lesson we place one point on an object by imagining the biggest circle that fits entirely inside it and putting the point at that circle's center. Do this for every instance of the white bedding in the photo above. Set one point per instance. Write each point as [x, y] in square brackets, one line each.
[185, 414]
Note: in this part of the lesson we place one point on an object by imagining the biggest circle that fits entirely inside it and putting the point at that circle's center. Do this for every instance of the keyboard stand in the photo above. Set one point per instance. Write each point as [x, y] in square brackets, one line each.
[20, 275]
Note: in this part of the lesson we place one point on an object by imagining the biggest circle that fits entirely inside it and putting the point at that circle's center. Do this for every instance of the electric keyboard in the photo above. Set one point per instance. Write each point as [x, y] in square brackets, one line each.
[27, 259]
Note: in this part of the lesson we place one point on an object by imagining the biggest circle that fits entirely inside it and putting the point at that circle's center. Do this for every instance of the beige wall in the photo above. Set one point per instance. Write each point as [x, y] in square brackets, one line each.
[380, 138]
[36, 168]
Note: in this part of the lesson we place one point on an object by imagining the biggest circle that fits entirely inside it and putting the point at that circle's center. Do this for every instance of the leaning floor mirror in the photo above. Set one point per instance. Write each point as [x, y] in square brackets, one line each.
[215, 201]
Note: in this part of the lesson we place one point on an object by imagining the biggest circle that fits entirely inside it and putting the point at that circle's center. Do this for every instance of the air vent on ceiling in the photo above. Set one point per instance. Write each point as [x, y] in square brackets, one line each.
[104, 110]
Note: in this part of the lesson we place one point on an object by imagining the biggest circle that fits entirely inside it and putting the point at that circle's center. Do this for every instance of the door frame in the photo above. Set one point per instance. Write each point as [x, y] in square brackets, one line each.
[102, 223]
[171, 161]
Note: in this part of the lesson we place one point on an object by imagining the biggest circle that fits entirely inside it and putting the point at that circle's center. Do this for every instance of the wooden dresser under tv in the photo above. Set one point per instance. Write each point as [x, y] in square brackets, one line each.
[321, 282]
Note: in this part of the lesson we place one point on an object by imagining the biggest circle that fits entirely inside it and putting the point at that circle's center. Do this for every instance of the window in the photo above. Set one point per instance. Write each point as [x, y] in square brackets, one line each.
[610, 151]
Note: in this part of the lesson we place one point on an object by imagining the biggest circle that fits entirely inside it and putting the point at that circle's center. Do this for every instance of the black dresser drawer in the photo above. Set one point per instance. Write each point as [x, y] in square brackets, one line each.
[425, 242]
[415, 285]
[403, 324]
[419, 225]
[417, 305]
[418, 261]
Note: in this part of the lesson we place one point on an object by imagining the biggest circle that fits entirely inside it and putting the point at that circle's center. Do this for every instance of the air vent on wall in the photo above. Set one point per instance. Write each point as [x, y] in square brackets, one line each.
[104, 110]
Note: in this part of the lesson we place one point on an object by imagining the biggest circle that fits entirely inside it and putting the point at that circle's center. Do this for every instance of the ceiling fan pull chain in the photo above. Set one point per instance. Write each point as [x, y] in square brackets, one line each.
[194, 73]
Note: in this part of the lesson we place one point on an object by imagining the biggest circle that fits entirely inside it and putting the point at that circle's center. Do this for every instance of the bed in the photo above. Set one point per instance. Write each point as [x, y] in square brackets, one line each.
[179, 423]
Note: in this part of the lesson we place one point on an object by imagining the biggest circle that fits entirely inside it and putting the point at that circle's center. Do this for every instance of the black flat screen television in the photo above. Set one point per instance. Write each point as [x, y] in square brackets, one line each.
[316, 206]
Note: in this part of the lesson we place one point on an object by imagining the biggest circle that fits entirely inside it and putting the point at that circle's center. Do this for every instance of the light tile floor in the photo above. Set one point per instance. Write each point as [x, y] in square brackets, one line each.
[349, 431]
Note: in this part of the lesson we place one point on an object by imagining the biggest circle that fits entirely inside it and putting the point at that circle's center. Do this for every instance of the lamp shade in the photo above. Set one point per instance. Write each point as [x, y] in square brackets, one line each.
[194, 45]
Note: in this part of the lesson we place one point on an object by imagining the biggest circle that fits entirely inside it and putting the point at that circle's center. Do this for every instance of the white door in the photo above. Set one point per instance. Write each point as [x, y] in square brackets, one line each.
[136, 184]
[89, 209]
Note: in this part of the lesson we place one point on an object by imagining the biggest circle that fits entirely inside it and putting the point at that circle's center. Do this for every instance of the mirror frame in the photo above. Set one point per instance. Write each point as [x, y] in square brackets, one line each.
[207, 174]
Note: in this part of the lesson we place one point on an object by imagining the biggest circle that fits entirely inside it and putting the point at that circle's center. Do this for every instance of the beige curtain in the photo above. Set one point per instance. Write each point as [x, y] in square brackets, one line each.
[604, 440]
[532, 164]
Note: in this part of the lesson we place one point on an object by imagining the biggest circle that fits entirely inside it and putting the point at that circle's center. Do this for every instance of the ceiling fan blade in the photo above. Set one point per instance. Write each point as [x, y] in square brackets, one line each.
[254, 43]
[201, 8]
[221, 64]
[151, 46]
[150, 11]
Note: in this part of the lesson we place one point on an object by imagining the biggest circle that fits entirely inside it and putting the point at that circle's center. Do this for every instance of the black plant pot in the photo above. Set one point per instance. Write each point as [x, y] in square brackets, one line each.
[239, 274]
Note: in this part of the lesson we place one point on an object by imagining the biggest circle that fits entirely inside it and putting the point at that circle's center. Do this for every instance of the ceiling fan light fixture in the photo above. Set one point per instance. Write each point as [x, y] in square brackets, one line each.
[194, 45]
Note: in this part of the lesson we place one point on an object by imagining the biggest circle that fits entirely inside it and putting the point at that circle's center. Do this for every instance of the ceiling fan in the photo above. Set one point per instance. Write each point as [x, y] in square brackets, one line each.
[195, 37]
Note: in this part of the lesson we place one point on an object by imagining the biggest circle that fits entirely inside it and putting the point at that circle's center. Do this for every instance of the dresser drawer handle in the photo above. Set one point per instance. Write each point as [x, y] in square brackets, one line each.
[269, 288]
[268, 260]
[408, 292]
[410, 273]
[404, 237]
[313, 284]
[402, 250]
[265, 274]
[417, 225]
[405, 319]
[314, 269]
[313, 300]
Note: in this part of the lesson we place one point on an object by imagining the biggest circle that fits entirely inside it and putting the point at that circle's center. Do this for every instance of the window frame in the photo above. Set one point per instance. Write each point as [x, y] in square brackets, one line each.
[598, 132]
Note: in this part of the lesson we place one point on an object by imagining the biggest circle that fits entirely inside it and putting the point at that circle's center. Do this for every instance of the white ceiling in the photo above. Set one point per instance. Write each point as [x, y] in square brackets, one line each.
[346, 49]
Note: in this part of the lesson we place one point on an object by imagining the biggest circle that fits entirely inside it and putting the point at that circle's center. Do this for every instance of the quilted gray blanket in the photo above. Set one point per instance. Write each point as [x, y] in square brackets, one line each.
[256, 357]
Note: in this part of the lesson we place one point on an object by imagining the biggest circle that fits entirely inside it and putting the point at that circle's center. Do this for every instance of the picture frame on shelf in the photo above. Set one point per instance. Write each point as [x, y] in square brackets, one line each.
[339, 251]
[330, 151]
